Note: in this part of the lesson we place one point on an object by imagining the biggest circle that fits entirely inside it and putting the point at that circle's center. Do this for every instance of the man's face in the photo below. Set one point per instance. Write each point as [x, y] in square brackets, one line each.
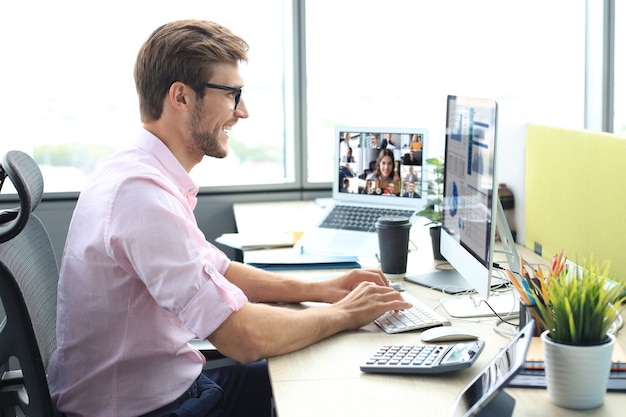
[411, 187]
[214, 115]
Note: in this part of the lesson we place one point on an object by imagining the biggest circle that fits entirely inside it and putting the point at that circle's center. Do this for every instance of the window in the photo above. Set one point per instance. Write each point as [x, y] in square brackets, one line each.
[372, 63]
[619, 112]
[69, 94]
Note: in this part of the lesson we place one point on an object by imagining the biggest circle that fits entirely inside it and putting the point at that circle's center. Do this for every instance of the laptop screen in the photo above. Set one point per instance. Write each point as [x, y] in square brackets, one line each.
[485, 390]
[381, 163]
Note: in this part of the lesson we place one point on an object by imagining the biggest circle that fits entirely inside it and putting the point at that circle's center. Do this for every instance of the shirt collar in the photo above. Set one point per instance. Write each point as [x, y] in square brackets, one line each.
[151, 144]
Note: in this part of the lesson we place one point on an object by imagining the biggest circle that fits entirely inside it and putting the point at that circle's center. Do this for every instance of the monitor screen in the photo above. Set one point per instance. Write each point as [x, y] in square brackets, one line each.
[470, 189]
[381, 163]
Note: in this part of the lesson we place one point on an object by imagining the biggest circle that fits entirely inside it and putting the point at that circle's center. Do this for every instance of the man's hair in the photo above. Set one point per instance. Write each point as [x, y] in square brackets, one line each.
[186, 51]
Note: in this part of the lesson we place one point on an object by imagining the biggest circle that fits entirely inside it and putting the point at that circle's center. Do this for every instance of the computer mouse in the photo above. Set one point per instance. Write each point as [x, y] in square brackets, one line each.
[448, 334]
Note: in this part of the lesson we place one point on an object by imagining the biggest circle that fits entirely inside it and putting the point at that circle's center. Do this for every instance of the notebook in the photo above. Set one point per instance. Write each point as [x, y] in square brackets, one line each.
[293, 260]
[377, 171]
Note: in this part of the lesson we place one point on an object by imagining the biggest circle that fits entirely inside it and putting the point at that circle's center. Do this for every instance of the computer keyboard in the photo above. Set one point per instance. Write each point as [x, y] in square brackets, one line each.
[419, 317]
[359, 218]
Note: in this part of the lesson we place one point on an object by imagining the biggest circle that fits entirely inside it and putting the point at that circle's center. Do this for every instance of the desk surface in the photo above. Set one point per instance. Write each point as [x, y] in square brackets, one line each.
[324, 379]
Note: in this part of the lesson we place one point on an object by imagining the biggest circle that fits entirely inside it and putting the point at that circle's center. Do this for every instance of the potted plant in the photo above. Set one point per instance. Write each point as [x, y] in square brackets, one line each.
[577, 306]
[433, 211]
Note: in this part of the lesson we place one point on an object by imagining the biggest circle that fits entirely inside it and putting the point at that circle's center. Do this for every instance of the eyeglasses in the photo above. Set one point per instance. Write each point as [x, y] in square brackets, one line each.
[235, 90]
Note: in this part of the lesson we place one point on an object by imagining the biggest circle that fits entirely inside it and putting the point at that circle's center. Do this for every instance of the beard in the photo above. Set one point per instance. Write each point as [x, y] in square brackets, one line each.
[203, 139]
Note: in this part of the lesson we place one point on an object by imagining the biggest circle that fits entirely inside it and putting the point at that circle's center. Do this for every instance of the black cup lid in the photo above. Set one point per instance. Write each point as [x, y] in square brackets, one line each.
[392, 221]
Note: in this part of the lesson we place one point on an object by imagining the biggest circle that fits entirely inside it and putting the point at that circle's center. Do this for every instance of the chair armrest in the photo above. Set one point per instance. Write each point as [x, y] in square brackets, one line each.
[12, 392]
[12, 378]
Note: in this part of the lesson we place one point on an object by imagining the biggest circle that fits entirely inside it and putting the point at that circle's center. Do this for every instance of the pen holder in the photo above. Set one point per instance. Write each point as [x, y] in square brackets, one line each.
[528, 312]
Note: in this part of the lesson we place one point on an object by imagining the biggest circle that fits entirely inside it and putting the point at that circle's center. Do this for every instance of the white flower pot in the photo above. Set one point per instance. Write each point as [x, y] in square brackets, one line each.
[577, 376]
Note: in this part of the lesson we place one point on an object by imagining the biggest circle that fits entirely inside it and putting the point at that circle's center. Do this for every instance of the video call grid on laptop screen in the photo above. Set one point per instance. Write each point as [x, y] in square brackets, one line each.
[381, 162]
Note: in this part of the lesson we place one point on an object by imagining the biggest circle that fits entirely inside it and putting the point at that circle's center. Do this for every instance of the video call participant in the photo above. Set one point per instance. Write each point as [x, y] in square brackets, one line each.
[416, 142]
[410, 176]
[410, 158]
[411, 193]
[391, 189]
[384, 170]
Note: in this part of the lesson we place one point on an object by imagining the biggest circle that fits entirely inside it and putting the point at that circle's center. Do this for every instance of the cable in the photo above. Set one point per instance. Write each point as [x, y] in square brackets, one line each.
[501, 288]
[495, 313]
[526, 262]
[508, 333]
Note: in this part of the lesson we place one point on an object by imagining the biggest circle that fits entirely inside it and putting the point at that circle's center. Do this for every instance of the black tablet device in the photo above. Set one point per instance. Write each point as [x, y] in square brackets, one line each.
[484, 395]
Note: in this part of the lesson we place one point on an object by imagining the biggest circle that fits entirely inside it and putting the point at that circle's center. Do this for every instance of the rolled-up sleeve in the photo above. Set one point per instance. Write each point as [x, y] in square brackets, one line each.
[216, 291]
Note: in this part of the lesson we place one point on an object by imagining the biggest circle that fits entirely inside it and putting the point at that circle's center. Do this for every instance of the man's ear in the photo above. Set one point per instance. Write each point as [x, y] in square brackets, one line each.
[178, 96]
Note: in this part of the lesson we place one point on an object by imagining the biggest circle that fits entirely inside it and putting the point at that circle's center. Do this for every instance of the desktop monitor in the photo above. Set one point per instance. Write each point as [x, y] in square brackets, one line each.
[472, 212]
[470, 189]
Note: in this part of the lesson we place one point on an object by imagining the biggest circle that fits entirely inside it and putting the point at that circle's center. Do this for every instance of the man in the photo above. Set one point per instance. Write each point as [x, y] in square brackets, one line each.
[391, 143]
[345, 143]
[391, 189]
[348, 157]
[411, 176]
[409, 158]
[374, 141]
[346, 185]
[411, 191]
[138, 279]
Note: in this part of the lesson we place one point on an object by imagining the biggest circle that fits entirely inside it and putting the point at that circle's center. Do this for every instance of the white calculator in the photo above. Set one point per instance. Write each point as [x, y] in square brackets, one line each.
[423, 359]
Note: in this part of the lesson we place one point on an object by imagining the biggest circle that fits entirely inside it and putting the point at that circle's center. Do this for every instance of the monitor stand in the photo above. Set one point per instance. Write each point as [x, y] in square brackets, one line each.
[472, 305]
[448, 281]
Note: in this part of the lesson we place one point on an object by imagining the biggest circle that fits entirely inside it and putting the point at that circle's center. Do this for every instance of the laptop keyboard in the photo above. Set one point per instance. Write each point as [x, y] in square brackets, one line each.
[418, 317]
[359, 218]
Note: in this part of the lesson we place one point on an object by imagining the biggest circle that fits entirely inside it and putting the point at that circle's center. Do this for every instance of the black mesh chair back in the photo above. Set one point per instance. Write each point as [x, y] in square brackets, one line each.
[28, 289]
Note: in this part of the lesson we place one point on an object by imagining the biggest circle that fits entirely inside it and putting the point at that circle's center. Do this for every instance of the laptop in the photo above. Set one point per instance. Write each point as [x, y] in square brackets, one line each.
[484, 395]
[377, 171]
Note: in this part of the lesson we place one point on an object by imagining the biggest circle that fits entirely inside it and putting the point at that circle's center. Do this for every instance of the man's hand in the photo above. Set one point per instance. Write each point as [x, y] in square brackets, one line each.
[337, 288]
[368, 301]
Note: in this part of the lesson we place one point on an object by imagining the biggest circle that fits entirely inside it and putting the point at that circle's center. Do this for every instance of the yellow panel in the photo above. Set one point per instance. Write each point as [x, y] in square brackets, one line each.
[576, 194]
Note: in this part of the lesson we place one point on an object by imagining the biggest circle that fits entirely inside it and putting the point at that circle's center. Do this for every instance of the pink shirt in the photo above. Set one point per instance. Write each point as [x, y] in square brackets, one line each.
[138, 281]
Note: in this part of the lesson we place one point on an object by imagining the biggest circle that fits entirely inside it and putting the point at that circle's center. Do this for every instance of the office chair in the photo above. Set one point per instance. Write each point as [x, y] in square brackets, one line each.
[28, 290]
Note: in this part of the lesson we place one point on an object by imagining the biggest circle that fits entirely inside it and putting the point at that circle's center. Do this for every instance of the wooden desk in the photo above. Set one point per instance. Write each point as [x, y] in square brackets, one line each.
[325, 380]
